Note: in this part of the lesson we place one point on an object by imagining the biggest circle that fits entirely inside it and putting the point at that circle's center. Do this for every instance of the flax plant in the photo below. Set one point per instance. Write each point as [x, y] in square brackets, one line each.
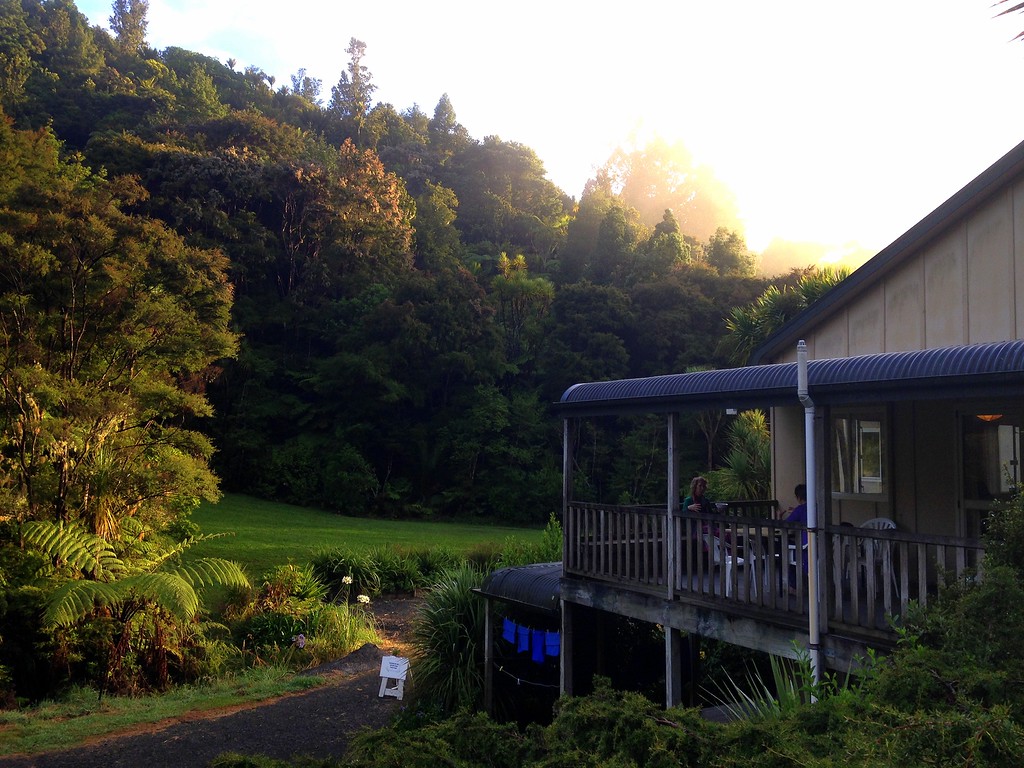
[447, 655]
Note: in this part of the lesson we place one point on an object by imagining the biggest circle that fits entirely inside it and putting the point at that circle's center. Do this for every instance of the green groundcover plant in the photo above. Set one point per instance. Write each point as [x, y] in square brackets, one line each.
[950, 694]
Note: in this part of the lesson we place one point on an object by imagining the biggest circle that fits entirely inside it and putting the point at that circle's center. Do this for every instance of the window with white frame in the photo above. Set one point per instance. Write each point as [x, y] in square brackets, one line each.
[859, 454]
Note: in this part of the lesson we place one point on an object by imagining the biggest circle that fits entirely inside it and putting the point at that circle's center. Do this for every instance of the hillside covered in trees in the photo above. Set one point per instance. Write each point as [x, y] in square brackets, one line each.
[295, 292]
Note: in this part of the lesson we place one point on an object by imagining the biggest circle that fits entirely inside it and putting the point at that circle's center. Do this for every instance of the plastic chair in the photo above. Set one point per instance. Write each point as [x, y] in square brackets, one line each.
[882, 550]
[879, 524]
[720, 555]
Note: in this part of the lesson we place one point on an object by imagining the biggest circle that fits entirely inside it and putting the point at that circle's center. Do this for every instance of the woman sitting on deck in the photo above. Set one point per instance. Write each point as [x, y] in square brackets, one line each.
[798, 514]
[697, 501]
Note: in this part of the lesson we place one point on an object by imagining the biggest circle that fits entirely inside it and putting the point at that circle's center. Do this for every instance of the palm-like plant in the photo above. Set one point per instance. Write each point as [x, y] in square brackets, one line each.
[747, 327]
[756, 698]
[95, 581]
[1015, 8]
[747, 470]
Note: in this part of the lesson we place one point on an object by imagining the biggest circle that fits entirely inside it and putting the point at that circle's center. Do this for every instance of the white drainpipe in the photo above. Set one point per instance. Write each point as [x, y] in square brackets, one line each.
[814, 638]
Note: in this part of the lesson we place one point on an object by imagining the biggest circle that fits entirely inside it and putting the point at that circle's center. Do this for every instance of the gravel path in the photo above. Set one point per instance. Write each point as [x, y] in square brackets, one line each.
[315, 723]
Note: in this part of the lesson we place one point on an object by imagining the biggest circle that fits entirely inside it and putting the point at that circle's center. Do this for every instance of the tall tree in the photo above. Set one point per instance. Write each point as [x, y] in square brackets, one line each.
[447, 136]
[661, 175]
[306, 86]
[110, 325]
[128, 23]
[522, 301]
[617, 240]
[726, 251]
[18, 45]
[352, 96]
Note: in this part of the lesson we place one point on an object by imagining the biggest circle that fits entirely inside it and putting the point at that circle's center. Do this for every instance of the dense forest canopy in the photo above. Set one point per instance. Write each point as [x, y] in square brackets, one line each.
[310, 296]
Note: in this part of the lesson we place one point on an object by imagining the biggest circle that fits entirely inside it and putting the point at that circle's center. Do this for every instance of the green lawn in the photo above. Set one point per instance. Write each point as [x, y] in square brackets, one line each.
[267, 534]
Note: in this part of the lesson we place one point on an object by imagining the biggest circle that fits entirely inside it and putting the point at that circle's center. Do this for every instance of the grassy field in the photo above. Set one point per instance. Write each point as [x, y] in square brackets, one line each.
[265, 534]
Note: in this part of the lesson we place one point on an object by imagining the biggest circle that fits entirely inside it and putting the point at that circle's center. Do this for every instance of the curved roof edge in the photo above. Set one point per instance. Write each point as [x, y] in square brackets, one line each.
[534, 586]
[975, 370]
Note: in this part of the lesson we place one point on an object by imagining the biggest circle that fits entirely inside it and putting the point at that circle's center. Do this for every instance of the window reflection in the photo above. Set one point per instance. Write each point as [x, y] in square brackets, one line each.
[858, 455]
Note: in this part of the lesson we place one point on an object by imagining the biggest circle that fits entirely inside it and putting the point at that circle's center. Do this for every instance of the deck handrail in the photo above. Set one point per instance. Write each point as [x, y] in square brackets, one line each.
[753, 565]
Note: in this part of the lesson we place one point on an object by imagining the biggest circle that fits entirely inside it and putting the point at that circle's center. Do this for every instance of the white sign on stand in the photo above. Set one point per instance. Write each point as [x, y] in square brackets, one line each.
[393, 670]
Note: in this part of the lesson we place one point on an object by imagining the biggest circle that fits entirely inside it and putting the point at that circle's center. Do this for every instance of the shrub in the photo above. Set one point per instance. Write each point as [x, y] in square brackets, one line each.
[447, 656]
[397, 571]
[433, 563]
[336, 630]
[333, 567]
[462, 740]
[484, 556]
[288, 621]
[515, 551]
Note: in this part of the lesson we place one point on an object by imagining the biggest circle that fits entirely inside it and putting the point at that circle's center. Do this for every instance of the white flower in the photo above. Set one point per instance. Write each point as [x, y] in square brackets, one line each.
[364, 599]
[346, 580]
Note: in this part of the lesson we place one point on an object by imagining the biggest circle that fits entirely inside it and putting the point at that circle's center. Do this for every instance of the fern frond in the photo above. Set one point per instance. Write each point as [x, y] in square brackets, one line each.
[168, 590]
[212, 571]
[74, 600]
[90, 554]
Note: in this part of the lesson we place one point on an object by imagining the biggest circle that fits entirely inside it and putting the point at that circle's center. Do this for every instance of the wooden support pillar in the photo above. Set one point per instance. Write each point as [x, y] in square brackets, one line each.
[672, 505]
[565, 658]
[823, 507]
[488, 656]
[693, 654]
[673, 667]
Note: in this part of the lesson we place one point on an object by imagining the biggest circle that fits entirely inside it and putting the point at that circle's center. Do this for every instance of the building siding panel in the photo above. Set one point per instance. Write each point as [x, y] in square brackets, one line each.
[990, 274]
[904, 308]
[867, 324]
[945, 271]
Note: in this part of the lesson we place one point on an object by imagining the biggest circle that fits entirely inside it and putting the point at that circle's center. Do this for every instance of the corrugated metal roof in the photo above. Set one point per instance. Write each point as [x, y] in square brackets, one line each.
[970, 370]
[534, 586]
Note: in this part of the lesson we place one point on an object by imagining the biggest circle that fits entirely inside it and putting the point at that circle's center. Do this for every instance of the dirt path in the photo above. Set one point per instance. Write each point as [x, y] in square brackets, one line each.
[315, 723]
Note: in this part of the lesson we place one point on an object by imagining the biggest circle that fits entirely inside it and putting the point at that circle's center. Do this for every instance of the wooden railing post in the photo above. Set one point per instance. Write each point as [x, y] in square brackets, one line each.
[672, 505]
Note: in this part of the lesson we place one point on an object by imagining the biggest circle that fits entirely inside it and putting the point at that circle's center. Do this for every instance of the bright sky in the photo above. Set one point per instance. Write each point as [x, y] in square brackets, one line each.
[834, 123]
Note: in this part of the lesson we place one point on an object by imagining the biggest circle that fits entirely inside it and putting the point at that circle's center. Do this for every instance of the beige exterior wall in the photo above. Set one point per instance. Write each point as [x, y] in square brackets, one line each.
[967, 287]
[944, 286]
[788, 453]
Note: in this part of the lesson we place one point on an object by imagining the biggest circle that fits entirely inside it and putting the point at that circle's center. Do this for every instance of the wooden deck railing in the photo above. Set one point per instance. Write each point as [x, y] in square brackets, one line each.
[750, 564]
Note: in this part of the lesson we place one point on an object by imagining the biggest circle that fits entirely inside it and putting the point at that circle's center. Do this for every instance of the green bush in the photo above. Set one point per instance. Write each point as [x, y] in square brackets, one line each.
[485, 556]
[333, 567]
[383, 569]
[271, 630]
[433, 563]
[964, 649]
[447, 656]
[336, 630]
[398, 571]
[289, 621]
[515, 551]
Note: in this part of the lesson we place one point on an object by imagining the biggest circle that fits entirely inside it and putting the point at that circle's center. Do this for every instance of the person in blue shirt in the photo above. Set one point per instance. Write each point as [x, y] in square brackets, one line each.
[798, 514]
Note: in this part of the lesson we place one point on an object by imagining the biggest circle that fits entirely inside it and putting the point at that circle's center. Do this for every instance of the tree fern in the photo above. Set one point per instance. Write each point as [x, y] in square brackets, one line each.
[73, 600]
[70, 547]
[212, 571]
[91, 580]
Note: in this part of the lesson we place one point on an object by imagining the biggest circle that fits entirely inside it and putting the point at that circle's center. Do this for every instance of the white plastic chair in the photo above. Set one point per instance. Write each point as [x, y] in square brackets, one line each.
[720, 555]
[882, 549]
[879, 524]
